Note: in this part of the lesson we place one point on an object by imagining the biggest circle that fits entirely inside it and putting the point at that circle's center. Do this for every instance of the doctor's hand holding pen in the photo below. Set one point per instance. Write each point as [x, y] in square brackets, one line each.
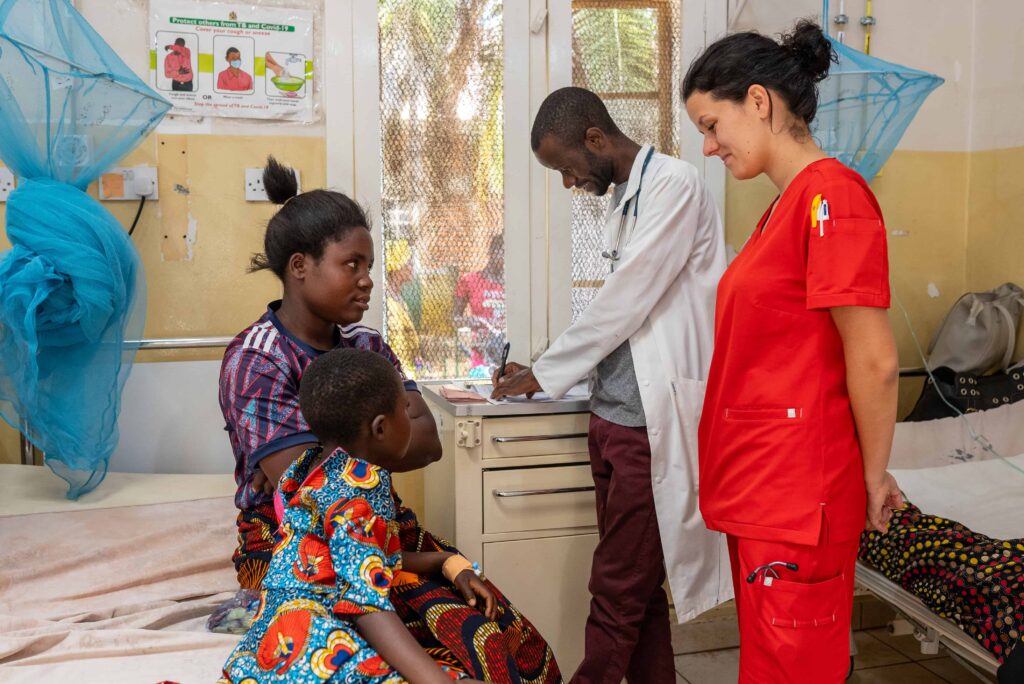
[517, 379]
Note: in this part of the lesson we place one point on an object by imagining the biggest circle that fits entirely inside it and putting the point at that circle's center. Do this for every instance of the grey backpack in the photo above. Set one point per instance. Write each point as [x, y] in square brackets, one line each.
[980, 332]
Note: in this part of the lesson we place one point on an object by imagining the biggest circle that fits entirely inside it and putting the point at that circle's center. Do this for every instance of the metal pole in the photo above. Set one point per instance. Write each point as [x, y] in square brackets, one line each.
[180, 342]
[28, 451]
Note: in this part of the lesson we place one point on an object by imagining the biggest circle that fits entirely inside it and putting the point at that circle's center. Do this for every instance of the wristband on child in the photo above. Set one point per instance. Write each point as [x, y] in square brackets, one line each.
[456, 565]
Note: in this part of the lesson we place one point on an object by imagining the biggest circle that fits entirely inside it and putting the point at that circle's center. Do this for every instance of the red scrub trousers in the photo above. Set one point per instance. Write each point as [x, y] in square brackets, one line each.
[799, 624]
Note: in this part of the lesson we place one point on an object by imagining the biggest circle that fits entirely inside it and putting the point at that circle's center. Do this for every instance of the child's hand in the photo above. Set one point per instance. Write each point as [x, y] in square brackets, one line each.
[471, 587]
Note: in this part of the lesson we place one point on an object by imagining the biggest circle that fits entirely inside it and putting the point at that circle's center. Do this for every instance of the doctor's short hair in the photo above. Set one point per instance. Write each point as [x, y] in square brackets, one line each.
[343, 390]
[567, 113]
[305, 223]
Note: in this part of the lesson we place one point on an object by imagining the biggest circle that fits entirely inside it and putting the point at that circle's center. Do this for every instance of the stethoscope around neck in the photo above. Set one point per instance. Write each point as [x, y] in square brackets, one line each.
[613, 254]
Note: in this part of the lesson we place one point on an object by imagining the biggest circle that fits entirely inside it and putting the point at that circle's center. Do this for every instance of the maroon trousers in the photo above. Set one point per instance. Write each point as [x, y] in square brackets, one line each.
[627, 632]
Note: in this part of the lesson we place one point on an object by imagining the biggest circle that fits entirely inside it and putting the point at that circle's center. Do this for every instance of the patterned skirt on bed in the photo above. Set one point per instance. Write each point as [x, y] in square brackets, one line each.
[975, 581]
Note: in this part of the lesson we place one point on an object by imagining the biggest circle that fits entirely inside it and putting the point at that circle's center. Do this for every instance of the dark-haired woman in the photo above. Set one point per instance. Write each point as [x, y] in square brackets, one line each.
[801, 399]
[319, 246]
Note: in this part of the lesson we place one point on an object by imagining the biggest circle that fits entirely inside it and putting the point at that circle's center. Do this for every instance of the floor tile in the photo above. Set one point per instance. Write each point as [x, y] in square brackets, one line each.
[907, 644]
[875, 613]
[873, 653]
[908, 673]
[711, 667]
[711, 635]
[952, 671]
[680, 679]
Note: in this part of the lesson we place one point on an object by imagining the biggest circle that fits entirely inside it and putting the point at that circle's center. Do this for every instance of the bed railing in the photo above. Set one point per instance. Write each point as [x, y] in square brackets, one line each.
[29, 453]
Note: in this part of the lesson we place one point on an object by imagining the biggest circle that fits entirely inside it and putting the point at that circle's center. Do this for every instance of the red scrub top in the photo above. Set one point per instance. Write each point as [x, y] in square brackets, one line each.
[778, 446]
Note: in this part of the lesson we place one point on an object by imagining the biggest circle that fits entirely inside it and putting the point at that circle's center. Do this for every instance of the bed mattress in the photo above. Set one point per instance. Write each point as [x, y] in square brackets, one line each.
[115, 587]
[986, 496]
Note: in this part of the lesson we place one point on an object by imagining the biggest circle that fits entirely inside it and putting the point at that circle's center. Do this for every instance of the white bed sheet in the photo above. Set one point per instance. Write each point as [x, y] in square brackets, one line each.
[115, 587]
[986, 496]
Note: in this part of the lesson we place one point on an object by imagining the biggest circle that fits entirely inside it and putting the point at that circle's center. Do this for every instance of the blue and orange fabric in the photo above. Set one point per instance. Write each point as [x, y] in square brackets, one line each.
[335, 559]
[259, 397]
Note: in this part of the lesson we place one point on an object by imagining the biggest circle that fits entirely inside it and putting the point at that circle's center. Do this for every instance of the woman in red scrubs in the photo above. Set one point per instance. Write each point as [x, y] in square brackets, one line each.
[801, 398]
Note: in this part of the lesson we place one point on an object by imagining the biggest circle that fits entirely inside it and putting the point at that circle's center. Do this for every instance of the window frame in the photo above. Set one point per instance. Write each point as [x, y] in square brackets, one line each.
[537, 209]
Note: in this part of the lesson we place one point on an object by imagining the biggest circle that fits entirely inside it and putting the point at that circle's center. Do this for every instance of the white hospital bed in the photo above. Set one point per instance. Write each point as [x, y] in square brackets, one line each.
[115, 587]
[944, 472]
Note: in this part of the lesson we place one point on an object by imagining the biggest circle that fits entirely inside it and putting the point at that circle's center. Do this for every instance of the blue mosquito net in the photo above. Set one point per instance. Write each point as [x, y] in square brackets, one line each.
[72, 288]
[865, 105]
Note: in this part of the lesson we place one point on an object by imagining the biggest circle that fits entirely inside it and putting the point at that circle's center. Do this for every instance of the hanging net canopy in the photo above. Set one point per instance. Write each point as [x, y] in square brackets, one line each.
[72, 288]
[865, 105]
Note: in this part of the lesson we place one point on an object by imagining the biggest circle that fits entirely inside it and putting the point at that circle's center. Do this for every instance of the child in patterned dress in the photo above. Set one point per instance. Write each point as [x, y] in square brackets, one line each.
[324, 613]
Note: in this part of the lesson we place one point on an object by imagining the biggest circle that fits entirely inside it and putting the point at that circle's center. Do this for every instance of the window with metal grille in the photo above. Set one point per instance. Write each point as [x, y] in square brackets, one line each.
[442, 186]
[625, 51]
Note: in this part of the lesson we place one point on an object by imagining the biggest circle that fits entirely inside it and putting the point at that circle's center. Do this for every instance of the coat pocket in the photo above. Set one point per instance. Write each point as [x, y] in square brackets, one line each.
[688, 397]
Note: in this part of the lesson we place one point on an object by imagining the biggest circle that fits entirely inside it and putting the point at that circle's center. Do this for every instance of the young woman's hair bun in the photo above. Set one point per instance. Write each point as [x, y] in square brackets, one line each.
[279, 181]
[811, 49]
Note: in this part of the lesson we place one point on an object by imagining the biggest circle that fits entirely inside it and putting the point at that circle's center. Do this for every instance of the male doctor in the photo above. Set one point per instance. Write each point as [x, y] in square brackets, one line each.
[645, 342]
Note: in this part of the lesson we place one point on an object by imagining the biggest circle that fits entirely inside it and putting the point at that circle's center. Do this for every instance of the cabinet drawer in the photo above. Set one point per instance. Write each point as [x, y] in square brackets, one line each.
[524, 499]
[564, 433]
[547, 580]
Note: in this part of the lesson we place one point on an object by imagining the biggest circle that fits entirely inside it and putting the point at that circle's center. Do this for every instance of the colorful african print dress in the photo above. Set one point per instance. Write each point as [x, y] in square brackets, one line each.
[336, 556]
[973, 580]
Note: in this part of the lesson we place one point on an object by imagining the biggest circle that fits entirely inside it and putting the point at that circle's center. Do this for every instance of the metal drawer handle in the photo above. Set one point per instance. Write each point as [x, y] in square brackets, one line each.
[536, 438]
[501, 494]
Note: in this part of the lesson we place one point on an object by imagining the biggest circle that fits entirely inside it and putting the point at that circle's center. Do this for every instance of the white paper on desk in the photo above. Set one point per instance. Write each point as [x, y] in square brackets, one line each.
[575, 393]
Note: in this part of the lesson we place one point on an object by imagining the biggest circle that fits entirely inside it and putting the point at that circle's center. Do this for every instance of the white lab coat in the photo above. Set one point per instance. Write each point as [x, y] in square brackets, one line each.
[661, 297]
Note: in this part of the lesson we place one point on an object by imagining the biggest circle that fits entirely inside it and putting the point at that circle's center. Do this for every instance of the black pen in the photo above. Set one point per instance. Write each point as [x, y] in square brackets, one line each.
[504, 360]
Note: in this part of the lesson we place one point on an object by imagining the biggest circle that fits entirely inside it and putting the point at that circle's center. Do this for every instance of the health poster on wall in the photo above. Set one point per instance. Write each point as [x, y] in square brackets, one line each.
[211, 59]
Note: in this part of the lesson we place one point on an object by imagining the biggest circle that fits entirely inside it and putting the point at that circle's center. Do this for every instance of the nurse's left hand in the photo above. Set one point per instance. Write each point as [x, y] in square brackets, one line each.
[521, 381]
[884, 497]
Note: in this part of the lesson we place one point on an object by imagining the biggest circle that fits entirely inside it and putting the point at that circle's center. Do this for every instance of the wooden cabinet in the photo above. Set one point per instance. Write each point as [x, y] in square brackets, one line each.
[514, 492]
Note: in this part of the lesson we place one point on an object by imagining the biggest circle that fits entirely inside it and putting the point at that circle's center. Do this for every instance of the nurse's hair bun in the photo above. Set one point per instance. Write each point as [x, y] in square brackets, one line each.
[812, 51]
[279, 181]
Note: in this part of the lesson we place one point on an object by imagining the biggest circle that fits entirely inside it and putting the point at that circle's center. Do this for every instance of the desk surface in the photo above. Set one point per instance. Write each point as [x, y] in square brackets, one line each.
[506, 408]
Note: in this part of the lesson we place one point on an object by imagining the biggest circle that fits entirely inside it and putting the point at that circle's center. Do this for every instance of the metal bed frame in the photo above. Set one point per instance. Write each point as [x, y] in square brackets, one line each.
[29, 455]
[914, 617]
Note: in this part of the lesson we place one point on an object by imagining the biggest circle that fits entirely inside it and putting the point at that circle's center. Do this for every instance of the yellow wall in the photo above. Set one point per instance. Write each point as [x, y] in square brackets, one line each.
[924, 194]
[995, 238]
[995, 229]
[202, 289]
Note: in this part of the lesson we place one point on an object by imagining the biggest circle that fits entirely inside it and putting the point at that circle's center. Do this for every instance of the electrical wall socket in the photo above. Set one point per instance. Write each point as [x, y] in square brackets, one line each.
[136, 182]
[254, 190]
[6, 183]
